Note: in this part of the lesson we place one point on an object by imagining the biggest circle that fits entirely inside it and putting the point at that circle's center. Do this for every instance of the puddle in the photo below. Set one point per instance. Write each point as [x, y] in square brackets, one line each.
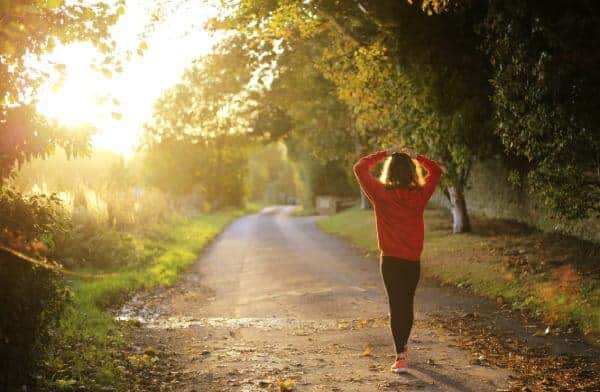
[153, 320]
[270, 323]
[152, 317]
[137, 310]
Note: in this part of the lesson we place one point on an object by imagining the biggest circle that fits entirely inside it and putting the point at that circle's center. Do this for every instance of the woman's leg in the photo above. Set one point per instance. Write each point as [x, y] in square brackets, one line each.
[410, 278]
[400, 278]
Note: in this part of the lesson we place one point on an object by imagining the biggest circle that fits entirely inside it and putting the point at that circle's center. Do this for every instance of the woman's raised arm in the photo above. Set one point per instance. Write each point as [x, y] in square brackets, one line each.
[362, 169]
[434, 172]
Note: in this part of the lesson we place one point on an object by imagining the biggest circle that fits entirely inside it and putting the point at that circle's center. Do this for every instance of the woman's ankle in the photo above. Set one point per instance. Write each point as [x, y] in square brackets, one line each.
[401, 354]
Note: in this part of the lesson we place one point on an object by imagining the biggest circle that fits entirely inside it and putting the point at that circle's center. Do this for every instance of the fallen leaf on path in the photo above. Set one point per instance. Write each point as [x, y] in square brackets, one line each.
[535, 367]
[367, 352]
[286, 385]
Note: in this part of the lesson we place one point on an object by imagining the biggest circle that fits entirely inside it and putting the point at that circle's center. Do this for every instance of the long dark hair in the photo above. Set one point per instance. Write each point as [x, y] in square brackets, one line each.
[400, 171]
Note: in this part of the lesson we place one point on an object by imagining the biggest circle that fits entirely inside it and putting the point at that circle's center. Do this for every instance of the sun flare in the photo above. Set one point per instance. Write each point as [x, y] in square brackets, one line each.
[72, 102]
[118, 107]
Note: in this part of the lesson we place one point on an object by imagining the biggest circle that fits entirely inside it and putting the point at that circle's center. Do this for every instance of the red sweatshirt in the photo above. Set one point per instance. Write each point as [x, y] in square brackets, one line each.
[398, 212]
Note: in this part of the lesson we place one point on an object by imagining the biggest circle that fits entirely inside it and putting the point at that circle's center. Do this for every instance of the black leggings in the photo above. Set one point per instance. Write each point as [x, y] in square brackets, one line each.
[400, 278]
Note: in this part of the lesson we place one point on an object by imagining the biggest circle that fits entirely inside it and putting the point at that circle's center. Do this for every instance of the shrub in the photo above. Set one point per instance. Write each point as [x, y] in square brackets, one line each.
[97, 246]
[28, 223]
[31, 297]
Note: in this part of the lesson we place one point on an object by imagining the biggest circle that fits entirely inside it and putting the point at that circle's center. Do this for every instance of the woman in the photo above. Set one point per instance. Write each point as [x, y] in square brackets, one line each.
[399, 198]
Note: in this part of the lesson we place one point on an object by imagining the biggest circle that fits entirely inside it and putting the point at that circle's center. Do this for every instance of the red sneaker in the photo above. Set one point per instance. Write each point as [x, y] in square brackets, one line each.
[401, 364]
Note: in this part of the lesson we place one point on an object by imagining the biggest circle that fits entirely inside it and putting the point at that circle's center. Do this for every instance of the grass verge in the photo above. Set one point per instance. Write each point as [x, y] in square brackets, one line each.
[85, 351]
[550, 276]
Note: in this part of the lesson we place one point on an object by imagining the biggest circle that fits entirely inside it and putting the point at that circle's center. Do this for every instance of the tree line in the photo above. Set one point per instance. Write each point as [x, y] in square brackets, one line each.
[462, 81]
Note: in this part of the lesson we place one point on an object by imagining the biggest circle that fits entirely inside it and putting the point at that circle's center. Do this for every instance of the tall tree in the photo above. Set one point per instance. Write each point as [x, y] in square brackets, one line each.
[200, 129]
[402, 77]
[268, 93]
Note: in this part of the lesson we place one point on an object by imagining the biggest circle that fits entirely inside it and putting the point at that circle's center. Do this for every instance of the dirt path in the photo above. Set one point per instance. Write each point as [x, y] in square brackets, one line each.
[275, 299]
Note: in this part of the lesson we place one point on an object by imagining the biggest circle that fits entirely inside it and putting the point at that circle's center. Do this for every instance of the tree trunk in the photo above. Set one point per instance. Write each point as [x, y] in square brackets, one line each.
[365, 203]
[458, 207]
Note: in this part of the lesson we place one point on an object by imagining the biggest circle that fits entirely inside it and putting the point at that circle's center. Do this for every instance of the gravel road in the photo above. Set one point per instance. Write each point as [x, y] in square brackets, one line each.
[275, 302]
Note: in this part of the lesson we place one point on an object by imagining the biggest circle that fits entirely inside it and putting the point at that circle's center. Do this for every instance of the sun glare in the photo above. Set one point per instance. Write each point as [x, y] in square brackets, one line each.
[70, 103]
[119, 106]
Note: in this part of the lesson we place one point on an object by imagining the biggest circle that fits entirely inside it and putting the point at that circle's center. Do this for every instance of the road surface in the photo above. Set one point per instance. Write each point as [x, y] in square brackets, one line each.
[273, 299]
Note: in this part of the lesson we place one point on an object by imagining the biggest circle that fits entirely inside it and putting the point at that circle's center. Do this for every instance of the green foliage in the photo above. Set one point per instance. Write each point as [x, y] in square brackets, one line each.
[97, 203]
[28, 223]
[266, 91]
[406, 81]
[320, 136]
[319, 123]
[211, 169]
[31, 297]
[395, 68]
[545, 77]
[271, 176]
[211, 98]
[331, 178]
[102, 190]
[92, 245]
[322, 178]
[438, 6]
[40, 225]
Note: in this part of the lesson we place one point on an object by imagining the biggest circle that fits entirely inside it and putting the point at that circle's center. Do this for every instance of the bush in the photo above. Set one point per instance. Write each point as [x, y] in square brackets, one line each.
[31, 297]
[28, 223]
[93, 245]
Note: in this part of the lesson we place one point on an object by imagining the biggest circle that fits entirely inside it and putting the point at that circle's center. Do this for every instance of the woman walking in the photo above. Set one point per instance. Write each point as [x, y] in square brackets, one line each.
[399, 198]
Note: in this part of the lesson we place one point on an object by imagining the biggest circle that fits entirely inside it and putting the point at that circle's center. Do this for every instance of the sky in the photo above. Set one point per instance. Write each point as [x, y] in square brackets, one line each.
[172, 45]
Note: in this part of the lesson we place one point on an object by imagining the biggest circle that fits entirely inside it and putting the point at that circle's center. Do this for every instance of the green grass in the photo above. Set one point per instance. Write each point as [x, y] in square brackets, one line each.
[554, 280]
[86, 348]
